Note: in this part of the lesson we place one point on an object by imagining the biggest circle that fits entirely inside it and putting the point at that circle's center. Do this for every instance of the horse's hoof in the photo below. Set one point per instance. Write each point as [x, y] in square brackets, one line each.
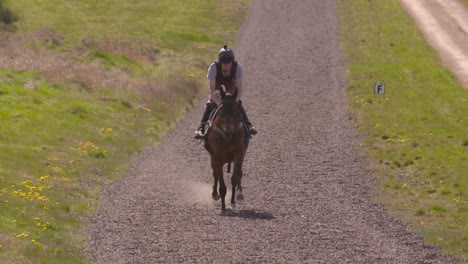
[216, 197]
[240, 196]
[233, 206]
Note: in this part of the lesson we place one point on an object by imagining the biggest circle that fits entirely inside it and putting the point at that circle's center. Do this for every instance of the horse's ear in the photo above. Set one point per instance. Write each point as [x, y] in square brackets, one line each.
[222, 91]
[234, 95]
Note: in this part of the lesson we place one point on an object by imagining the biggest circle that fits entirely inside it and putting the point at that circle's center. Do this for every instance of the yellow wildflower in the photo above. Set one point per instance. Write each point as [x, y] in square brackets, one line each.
[22, 235]
[43, 198]
[405, 185]
[191, 74]
[43, 178]
[25, 183]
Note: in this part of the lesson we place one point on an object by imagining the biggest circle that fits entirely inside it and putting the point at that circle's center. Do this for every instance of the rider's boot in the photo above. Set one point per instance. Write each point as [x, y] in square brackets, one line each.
[200, 133]
[250, 129]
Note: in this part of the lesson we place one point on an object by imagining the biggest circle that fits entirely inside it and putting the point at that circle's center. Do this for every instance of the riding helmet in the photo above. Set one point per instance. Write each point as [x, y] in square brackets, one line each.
[225, 54]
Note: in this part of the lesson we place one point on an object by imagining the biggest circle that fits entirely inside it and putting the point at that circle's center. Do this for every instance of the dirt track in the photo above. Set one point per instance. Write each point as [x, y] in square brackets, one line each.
[307, 194]
[444, 23]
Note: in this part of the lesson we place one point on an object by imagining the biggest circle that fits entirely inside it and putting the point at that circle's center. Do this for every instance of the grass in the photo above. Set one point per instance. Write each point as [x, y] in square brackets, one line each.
[417, 133]
[83, 86]
[58, 147]
[176, 25]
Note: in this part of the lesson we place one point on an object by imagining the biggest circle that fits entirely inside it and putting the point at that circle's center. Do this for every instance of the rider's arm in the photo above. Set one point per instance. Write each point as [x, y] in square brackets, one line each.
[239, 78]
[214, 96]
[239, 90]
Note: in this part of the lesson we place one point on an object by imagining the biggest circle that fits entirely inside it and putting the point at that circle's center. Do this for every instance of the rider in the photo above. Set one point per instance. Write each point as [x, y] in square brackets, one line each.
[228, 72]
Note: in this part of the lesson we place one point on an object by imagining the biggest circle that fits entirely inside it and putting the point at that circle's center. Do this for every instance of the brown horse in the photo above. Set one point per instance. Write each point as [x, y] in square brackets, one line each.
[227, 142]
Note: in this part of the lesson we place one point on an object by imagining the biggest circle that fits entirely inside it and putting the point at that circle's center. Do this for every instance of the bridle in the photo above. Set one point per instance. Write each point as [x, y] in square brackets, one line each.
[224, 131]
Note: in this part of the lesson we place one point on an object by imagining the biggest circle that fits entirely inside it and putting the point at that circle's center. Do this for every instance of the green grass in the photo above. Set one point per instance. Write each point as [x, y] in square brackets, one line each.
[58, 147]
[176, 25]
[61, 141]
[417, 132]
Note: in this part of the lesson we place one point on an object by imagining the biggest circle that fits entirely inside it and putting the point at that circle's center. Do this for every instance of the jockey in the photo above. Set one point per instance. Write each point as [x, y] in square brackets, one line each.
[228, 72]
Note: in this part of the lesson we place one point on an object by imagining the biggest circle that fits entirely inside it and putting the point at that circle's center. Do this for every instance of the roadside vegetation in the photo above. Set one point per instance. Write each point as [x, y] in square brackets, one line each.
[417, 132]
[7, 17]
[83, 86]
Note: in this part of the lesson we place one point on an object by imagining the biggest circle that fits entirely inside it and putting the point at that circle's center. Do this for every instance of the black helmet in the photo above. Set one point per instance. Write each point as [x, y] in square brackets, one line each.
[225, 54]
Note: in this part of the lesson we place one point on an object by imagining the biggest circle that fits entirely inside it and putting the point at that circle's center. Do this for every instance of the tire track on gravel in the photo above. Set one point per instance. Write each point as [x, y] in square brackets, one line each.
[308, 195]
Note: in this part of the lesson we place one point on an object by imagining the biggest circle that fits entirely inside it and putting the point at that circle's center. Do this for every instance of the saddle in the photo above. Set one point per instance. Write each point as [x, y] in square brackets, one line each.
[210, 121]
[213, 115]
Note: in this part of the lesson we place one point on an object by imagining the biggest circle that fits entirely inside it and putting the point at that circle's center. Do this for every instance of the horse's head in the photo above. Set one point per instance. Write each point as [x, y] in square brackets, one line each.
[230, 119]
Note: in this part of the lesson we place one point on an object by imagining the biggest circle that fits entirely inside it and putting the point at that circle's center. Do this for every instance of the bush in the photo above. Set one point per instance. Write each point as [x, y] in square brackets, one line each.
[7, 16]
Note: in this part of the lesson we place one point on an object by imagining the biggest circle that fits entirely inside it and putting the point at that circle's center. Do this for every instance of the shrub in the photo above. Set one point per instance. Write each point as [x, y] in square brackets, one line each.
[7, 16]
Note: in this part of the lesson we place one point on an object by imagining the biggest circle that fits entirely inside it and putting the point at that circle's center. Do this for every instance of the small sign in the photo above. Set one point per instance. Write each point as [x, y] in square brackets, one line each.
[379, 88]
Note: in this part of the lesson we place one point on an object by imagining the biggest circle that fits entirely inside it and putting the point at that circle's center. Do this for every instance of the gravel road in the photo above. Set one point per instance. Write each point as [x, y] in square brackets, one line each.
[308, 195]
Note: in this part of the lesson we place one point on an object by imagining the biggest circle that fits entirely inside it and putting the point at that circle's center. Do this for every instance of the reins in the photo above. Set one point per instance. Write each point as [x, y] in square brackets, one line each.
[220, 131]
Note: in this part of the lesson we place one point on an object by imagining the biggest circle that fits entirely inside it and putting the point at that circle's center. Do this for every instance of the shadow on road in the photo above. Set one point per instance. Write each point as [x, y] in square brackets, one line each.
[248, 214]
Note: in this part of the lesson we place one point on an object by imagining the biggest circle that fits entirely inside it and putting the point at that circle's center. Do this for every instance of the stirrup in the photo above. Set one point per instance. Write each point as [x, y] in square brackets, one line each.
[199, 134]
[252, 130]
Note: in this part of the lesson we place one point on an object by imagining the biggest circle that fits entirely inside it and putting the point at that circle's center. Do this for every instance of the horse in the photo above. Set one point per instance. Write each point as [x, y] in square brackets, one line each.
[226, 141]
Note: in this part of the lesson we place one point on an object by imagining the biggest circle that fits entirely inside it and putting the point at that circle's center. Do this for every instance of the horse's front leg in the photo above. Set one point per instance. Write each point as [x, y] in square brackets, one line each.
[215, 195]
[234, 181]
[222, 186]
[238, 178]
[218, 176]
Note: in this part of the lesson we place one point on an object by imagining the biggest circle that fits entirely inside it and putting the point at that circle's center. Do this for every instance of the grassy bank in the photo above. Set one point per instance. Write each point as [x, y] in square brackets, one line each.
[417, 133]
[83, 86]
